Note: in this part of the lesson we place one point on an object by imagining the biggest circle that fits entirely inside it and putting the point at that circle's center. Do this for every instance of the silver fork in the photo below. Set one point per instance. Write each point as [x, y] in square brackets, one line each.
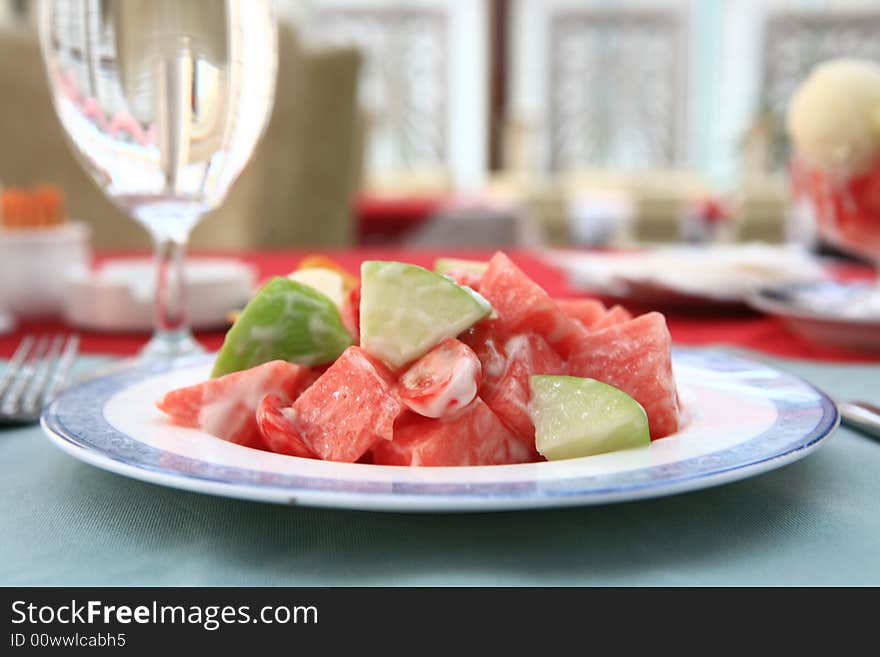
[34, 376]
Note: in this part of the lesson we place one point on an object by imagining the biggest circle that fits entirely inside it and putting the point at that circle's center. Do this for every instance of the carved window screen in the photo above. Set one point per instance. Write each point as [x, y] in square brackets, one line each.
[795, 42]
[616, 94]
[404, 81]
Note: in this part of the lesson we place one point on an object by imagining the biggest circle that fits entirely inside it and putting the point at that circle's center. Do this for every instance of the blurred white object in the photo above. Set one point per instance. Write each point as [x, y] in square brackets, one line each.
[599, 216]
[119, 295]
[718, 273]
[34, 264]
[7, 322]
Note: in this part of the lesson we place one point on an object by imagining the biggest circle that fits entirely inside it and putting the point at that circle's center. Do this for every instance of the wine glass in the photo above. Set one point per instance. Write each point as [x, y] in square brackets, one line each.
[164, 102]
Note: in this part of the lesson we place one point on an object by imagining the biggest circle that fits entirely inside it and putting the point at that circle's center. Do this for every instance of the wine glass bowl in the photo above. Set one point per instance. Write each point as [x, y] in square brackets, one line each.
[164, 102]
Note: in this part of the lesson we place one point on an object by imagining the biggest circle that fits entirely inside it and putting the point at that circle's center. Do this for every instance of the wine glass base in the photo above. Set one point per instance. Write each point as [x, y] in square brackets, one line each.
[170, 346]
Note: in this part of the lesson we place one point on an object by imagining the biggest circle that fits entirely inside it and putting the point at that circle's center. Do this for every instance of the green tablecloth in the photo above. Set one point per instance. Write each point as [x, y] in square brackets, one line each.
[815, 522]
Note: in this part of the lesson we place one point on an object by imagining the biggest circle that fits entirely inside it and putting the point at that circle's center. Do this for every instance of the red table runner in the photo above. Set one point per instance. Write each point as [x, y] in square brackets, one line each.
[740, 329]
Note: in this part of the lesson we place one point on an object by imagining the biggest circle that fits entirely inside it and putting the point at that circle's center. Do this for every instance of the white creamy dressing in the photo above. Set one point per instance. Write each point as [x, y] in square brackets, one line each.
[223, 416]
[270, 333]
[494, 363]
[456, 395]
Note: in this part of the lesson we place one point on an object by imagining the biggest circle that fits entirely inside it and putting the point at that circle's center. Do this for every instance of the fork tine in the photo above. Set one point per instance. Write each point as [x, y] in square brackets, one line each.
[62, 370]
[23, 377]
[15, 363]
[35, 396]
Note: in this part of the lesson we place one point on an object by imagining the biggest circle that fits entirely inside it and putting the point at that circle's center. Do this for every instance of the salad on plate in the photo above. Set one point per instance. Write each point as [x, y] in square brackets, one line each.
[470, 364]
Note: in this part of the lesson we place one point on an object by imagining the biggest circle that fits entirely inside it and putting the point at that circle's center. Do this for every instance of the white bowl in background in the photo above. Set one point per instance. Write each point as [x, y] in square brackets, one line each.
[119, 295]
[35, 263]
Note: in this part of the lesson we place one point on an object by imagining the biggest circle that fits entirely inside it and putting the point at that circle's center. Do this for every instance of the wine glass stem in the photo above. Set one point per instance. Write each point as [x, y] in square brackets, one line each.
[170, 290]
[171, 337]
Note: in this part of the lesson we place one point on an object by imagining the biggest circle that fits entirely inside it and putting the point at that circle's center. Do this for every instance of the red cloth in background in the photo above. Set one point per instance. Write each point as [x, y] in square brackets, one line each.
[743, 329]
[389, 218]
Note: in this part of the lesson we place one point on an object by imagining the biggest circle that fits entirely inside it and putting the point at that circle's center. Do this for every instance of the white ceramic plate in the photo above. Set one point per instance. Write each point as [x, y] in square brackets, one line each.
[742, 418]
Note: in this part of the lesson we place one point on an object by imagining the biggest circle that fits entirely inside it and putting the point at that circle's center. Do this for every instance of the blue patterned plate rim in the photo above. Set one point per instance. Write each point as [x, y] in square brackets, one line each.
[805, 417]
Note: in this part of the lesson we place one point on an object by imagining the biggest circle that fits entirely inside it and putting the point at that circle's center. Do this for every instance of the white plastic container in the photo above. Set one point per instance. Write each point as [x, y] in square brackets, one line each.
[35, 263]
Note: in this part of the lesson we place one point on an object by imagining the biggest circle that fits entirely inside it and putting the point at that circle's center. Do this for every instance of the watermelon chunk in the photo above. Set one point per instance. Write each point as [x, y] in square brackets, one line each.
[585, 311]
[507, 364]
[443, 381]
[635, 356]
[509, 395]
[615, 315]
[275, 420]
[350, 408]
[592, 313]
[475, 437]
[486, 342]
[226, 406]
[523, 306]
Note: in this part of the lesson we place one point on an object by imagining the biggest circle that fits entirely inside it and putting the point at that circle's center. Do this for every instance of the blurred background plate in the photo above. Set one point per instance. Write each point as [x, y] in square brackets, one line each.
[693, 277]
[842, 314]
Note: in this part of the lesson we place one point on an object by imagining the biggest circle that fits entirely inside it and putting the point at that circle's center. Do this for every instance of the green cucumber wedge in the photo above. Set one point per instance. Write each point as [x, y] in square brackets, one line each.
[405, 310]
[285, 320]
[580, 417]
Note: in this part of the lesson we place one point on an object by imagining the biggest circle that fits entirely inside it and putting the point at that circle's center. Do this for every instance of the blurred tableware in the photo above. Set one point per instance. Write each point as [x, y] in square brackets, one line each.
[7, 322]
[34, 263]
[706, 220]
[34, 376]
[846, 208]
[686, 276]
[842, 314]
[165, 101]
[596, 217]
[119, 295]
[862, 416]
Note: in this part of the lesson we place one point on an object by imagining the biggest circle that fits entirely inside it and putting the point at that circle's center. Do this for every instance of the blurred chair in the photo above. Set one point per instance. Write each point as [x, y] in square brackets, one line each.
[660, 201]
[761, 210]
[647, 206]
[296, 190]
